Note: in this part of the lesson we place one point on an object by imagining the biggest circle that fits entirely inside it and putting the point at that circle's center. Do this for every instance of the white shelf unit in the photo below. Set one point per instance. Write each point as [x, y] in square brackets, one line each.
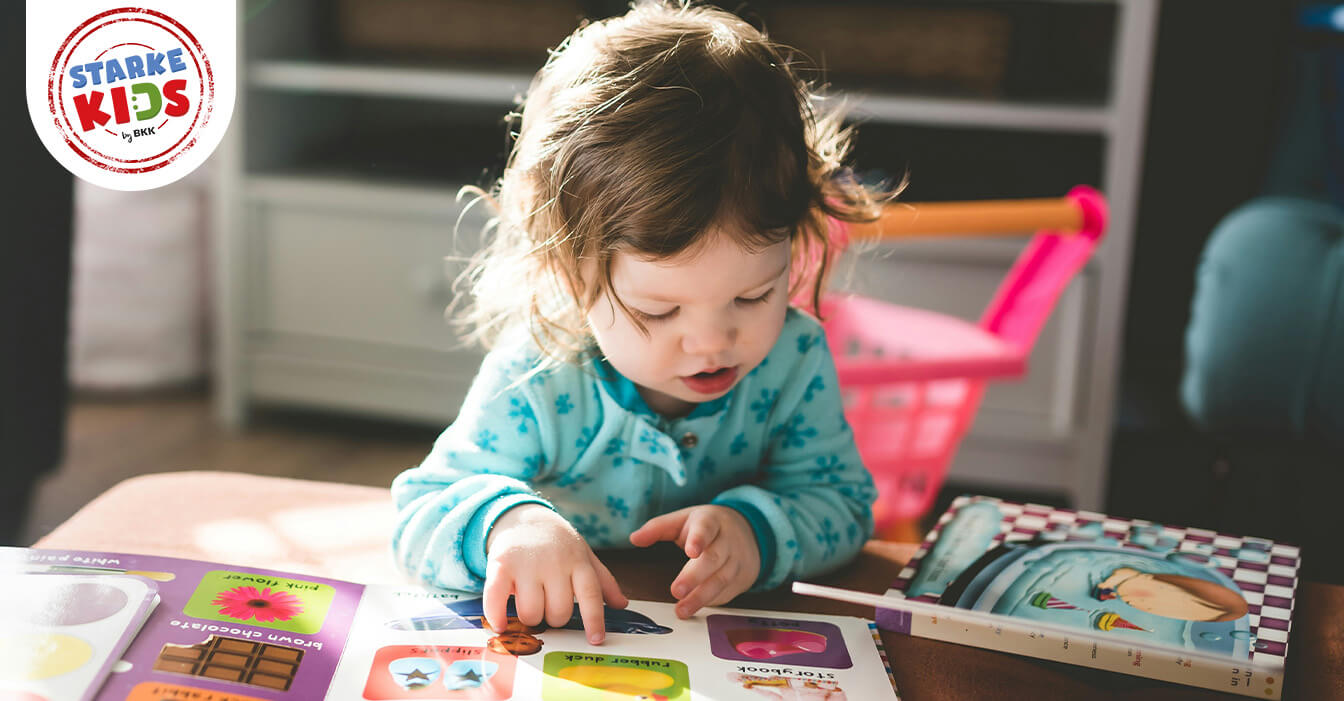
[330, 286]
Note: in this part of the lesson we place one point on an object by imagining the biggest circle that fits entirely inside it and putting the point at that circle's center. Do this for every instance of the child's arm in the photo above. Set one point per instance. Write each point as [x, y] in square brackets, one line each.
[468, 518]
[480, 467]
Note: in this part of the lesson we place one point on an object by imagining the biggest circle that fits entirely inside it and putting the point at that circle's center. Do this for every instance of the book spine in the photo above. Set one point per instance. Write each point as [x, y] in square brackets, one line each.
[1112, 654]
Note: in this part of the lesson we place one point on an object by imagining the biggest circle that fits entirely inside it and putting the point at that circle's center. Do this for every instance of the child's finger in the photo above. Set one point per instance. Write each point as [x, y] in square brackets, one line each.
[589, 595]
[559, 601]
[530, 600]
[495, 601]
[702, 595]
[701, 530]
[665, 527]
[697, 570]
[611, 590]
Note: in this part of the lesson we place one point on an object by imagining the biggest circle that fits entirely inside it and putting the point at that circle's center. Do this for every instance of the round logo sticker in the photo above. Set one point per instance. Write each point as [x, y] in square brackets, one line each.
[131, 90]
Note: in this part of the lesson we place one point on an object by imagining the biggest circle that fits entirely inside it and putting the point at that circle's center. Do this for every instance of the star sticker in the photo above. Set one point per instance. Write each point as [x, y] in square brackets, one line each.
[470, 676]
[416, 674]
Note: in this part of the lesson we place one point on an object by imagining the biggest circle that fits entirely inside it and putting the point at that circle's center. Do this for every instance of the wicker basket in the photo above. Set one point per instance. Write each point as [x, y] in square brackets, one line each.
[510, 30]
[936, 49]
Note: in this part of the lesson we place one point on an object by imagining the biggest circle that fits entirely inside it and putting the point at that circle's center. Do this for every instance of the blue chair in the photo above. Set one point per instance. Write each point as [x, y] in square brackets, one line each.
[1264, 375]
[1265, 342]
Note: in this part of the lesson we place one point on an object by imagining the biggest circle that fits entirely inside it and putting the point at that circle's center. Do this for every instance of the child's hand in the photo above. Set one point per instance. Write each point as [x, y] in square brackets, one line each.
[724, 557]
[536, 555]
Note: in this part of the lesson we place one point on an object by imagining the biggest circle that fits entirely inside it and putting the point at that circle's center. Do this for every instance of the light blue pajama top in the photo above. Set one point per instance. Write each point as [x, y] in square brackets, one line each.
[580, 439]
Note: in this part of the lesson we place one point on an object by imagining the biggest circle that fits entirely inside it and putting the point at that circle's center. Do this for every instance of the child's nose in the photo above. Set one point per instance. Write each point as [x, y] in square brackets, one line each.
[709, 340]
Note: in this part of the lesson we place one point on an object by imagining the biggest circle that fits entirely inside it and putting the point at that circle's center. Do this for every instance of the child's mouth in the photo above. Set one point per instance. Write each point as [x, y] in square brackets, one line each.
[712, 381]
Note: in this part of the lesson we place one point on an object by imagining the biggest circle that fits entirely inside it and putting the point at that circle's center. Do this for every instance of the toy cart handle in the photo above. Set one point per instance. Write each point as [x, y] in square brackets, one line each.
[901, 220]
[1024, 299]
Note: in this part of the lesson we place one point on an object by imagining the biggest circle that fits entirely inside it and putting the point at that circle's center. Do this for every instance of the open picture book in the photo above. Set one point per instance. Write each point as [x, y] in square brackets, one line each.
[1183, 605]
[97, 625]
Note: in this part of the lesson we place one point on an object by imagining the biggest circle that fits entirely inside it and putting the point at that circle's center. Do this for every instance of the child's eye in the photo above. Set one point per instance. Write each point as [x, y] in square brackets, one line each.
[648, 318]
[748, 301]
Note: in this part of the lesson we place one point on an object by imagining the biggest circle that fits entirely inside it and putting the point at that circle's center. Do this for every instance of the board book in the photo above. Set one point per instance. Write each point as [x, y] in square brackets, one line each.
[147, 628]
[1183, 605]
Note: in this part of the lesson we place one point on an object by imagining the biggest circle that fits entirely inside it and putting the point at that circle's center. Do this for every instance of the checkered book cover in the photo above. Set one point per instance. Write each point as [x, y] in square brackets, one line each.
[1265, 571]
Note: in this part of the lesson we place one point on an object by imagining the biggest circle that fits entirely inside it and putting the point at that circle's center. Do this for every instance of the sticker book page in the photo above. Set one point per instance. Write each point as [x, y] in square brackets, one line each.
[412, 644]
[219, 632]
[61, 634]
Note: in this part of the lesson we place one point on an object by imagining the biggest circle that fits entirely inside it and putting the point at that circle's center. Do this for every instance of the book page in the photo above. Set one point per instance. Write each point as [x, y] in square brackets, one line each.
[219, 632]
[407, 643]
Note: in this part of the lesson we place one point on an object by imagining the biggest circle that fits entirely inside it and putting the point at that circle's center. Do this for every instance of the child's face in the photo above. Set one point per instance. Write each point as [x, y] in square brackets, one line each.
[712, 313]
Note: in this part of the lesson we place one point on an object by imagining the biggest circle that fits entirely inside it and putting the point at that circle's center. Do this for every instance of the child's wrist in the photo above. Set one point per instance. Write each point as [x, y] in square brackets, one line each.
[529, 512]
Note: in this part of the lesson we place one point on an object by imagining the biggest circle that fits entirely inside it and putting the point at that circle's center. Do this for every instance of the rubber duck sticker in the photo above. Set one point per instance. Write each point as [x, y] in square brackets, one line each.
[582, 676]
[619, 682]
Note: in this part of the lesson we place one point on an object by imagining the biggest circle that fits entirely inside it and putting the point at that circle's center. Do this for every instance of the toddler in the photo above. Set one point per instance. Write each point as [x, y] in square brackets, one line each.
[647, 380]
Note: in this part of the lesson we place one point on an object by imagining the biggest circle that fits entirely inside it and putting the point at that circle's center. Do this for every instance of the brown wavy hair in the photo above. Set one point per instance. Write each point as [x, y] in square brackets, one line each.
[641, 134]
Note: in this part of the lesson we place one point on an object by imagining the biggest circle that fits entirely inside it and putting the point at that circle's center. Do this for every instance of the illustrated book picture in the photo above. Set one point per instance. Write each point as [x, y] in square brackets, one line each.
[1183, 605]
[107, 626]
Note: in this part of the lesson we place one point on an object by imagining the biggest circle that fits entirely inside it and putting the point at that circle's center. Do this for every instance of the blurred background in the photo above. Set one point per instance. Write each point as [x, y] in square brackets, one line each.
[281, 310]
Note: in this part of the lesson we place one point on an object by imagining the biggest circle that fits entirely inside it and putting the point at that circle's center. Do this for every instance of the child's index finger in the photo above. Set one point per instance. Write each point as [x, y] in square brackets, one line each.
[495, 603]
[659, 528]
[588, 593]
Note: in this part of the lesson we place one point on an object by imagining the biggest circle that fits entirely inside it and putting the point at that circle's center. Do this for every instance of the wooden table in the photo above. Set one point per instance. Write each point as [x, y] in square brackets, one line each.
[342, 531]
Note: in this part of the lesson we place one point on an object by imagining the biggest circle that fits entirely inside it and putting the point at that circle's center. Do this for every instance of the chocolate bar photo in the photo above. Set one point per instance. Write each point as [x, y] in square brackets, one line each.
[233, 660]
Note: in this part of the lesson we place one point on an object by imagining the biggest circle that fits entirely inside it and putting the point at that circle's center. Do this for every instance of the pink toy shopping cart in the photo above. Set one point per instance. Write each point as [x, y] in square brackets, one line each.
[912, 379]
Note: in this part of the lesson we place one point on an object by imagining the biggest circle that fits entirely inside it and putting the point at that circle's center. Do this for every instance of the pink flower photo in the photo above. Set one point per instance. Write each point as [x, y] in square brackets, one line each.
[244, 603]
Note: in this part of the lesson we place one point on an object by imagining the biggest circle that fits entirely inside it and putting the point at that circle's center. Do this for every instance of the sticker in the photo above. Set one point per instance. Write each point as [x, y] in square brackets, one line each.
[73, 604]
[440, 672]
[233, 660]
[37, 656]
[516, 639]
[577, 676]
[779, 640]
[264, 601]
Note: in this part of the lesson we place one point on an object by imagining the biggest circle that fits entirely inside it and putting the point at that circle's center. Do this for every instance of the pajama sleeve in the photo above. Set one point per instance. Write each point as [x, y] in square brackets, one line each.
[811, 510]
[480, 466]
